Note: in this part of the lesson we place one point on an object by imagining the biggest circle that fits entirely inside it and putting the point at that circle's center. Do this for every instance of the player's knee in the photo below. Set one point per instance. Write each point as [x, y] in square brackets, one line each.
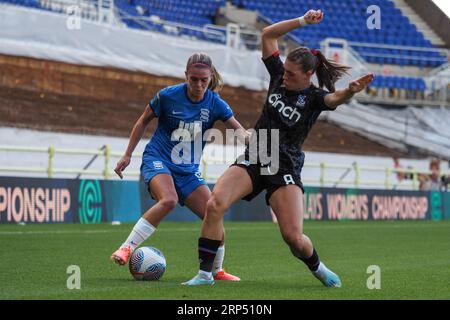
[168, 203]
[293, 238]
[215, 206]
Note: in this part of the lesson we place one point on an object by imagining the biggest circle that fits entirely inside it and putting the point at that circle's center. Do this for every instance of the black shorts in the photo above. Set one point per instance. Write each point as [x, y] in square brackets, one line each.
[270, 183]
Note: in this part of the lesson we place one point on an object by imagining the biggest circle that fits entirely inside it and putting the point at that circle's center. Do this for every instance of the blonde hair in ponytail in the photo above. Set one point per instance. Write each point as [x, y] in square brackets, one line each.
[216, 83]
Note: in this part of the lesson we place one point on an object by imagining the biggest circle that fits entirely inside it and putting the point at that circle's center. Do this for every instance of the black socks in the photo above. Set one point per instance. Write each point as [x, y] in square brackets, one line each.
[312, 262]
[207, 250]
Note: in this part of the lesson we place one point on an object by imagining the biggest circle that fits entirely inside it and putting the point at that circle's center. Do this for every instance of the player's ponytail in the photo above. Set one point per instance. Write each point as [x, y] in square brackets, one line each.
[202, 60]
[216, 83]
[328, 72]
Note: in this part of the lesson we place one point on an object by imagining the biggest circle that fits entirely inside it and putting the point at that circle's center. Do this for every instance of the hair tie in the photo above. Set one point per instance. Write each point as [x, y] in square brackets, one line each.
[200, 64]
[314, 52]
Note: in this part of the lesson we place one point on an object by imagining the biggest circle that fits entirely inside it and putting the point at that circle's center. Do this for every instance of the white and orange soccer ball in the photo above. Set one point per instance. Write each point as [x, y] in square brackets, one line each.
[147, 263]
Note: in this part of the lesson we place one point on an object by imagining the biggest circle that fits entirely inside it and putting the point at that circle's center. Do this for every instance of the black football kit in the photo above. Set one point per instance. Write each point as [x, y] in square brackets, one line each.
[291, 112]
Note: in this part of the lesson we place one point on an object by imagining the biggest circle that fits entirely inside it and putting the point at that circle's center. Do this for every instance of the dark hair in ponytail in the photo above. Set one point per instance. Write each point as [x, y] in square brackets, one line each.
[202, 60]
[327, 71]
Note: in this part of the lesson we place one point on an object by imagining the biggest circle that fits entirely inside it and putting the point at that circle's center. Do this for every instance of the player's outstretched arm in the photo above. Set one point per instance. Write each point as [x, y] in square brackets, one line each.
[338, 97]
[135, 137]
[271, 33]
[242, 134]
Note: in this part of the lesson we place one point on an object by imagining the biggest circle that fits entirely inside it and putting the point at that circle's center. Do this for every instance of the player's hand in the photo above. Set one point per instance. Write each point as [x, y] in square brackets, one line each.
[313, 16]
[243, 135]
[247, 135]
[121, 165]
[358, 85]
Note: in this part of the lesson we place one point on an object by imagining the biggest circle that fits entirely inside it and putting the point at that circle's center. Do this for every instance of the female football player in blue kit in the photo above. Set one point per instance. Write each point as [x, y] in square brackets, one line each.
[170, 167]
[293, 105]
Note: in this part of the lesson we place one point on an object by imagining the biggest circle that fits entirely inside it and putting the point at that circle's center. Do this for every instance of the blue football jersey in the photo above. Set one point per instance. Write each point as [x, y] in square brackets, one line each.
[178, 139]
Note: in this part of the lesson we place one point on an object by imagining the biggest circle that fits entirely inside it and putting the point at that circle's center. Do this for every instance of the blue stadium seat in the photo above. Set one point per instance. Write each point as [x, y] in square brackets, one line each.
[400, 83]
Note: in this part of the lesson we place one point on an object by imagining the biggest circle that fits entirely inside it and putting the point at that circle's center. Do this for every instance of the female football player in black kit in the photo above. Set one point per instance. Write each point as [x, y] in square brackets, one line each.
[293, 105]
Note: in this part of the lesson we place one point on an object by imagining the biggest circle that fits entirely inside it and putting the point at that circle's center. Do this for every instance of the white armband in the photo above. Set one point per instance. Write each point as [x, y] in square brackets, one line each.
[302, 21]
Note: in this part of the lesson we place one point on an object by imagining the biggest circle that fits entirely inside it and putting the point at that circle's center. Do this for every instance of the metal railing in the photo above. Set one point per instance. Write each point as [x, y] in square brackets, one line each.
[105, 11]
[101, 11]
[231, 35]
[323, 179]
[50, 170]
[387, 182]
[402, 50]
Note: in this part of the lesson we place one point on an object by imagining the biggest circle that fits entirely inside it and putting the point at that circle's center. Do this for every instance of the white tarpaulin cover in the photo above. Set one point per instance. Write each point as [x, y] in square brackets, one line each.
[45, 35]
[425, 128]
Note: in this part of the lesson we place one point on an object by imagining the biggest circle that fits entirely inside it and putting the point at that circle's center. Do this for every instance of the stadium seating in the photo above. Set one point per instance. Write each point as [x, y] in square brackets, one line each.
[345, 19]
[349, 21]
[401, 83]
[194, 13]
[27, 3]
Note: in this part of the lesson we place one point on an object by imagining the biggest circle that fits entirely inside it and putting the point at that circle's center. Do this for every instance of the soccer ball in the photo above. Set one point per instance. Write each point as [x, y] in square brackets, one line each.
[147, 263]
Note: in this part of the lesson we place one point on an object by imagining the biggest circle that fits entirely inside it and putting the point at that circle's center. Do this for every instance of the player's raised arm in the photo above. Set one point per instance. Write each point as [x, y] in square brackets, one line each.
[271, 33]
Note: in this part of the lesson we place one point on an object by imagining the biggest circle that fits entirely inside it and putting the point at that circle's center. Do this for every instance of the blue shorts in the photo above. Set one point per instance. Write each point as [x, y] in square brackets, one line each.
[185, 183]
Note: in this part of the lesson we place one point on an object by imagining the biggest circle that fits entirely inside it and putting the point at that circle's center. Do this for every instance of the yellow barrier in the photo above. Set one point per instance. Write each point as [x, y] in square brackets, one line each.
[107, 153]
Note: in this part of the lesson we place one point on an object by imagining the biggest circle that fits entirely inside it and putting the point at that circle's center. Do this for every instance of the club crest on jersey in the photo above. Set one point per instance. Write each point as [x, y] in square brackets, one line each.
[204, 115]
[286, 111]
[199, 176]
[158, 165]
[301, 101]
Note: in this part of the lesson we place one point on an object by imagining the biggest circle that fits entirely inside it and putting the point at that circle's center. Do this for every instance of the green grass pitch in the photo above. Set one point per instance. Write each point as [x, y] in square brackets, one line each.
[413, 256]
